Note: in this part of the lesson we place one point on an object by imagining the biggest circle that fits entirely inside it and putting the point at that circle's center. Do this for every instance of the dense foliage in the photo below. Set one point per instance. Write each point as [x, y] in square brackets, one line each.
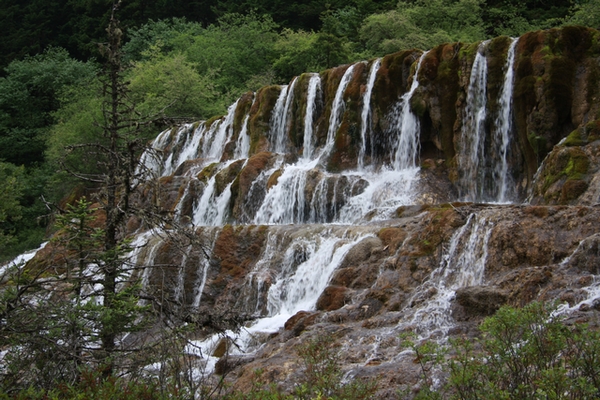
[523, 353]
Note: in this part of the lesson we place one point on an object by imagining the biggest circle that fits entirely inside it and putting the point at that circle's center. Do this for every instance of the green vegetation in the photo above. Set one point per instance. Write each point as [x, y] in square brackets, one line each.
[524, 353]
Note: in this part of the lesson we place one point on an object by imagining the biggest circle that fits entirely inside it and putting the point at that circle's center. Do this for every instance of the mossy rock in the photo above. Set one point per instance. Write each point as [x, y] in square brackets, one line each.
[227, 175]
[584, 135]
[260, 117]
[207, 172]
[274, 178]
[565, 176]
[571, 190]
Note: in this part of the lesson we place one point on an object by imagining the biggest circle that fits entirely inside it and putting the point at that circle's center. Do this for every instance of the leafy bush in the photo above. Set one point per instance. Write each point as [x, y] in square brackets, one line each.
[526, 353]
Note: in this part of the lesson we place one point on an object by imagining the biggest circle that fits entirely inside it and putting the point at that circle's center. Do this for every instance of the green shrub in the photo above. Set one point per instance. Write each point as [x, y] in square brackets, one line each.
[524, 353]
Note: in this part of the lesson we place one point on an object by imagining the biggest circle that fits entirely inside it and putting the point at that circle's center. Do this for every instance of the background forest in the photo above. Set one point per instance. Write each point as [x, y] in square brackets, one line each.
[188, 60]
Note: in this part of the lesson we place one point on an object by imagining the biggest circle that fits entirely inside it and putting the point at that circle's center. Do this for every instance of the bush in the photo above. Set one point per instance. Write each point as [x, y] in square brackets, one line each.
[526, 353]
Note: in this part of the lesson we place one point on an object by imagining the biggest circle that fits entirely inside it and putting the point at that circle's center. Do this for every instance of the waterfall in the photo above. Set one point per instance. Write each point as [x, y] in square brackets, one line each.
[314, 86]
[215, 145]
[306, 260]
[483, 154]
[463, 265]
[504, 125]
[280, 118]
[472, 139]
[337, 109]
[366, 114]
[285, 202]
[407, 147]
[212, 208]
[242, 148]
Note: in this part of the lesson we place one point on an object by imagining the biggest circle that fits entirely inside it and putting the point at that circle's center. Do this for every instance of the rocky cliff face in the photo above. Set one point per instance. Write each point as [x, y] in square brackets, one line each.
[355, 203]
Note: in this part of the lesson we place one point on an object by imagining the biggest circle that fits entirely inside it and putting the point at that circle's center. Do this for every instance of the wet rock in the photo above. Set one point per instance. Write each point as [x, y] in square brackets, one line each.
[332, 298]
[230, 362]
[366, 309]
[300, 321]
[479, 301]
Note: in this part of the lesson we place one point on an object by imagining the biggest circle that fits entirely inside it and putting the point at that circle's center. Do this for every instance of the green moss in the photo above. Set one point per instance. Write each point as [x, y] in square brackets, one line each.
[260, 115]
[592, 130]
[207, 172]
[566, 164]
[578, 166]
[575, 139]
[212, 120]
[468, 52]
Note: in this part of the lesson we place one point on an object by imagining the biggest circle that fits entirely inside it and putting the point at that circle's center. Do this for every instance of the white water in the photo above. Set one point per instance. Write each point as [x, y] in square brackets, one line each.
[214, 148]
[296, 287]
[242, 148]
[211, 209]
[463, 265]
[504, 126]
[407, 148]
[285, 202]
[19, 261]
[337, 110]
[483, 158]
[280, 118]
[314, 86]
[471, 146]
[365, 117]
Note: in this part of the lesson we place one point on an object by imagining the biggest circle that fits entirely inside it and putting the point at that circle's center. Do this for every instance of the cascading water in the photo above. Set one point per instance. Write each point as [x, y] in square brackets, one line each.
[483, 151]
[297, 286]
[472, 139]
[463, 265]
[213, 149]
[280, 118]
[337, 109]
[314, 86]
[504, 127]
[406, 150]
[242, 148]
[365, 124]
